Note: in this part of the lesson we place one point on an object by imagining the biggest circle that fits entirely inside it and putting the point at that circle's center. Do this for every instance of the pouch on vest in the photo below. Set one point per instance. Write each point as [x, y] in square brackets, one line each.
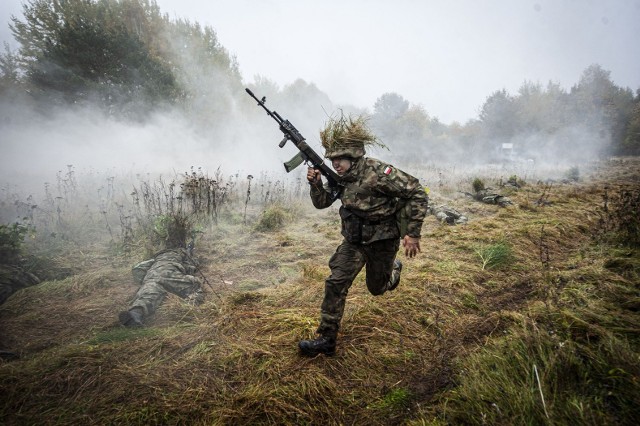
[351, 226]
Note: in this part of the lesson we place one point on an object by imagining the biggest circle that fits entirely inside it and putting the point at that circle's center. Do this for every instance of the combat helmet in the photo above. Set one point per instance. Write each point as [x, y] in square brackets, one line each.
[346, 137]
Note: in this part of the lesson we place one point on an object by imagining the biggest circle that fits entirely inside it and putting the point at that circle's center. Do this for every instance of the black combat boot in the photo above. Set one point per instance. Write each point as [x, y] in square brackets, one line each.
[322, 345]
[132, 317]
[395, 275]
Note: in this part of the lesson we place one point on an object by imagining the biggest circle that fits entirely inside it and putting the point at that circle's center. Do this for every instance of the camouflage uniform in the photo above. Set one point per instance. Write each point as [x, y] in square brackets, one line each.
[371, 193]
[14, 278]
[448, 215]
[169, 271]
[489, 197]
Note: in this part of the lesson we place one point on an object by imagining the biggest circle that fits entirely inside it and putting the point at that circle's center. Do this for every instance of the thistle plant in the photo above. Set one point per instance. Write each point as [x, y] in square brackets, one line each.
[246, 201]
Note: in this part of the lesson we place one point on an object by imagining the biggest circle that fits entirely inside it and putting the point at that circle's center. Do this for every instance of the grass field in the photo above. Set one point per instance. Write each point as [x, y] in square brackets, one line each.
[527, 314]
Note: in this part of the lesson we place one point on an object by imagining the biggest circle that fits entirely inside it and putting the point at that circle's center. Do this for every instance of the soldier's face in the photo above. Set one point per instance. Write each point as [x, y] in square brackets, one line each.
[341, 165]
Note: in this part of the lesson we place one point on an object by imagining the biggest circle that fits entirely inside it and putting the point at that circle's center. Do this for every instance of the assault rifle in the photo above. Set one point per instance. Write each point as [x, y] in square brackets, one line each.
[306, 154]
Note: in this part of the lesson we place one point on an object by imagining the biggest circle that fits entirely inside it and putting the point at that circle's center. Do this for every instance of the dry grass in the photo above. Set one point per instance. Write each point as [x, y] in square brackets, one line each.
[343, 132]
[455, 344]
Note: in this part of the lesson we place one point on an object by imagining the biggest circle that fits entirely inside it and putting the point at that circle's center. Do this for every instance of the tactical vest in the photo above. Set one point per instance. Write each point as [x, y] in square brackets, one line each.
[356, 228]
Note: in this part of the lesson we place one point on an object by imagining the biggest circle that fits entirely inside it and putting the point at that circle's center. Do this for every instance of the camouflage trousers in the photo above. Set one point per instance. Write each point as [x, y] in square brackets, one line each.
[12, 279]
[170, 271]
[153, 292]
[345, 264]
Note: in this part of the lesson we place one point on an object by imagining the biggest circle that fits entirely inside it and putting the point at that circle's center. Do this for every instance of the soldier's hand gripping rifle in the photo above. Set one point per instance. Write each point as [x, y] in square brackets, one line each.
[306, 154]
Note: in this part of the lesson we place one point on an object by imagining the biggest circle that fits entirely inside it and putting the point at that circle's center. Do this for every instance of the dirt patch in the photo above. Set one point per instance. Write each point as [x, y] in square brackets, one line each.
[507, 298]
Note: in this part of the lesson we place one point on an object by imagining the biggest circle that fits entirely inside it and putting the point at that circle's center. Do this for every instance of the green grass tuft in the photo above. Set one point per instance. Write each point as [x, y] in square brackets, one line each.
[273, 218]
[494, 255]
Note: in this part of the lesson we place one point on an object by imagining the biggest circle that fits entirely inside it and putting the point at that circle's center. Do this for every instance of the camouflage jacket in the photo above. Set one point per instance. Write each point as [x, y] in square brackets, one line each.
[489, 197]
[374, 192]
[171, 263]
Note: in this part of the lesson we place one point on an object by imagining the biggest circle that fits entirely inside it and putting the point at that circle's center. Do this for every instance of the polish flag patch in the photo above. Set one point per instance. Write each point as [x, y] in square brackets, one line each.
[387, 170]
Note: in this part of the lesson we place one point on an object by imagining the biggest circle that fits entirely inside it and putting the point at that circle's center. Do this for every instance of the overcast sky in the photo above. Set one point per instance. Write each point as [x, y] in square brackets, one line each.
[447, 56]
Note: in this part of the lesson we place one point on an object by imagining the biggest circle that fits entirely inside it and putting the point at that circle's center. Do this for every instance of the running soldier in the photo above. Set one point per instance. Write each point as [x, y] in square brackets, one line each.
[372, 193]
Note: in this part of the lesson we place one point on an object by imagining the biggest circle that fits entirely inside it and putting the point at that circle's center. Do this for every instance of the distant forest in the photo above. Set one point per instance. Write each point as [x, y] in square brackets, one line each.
[130, 60]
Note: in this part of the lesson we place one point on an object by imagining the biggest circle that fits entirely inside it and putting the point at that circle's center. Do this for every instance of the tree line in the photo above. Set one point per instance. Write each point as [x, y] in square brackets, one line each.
[538, 121]
[124, 56]
[129, 59]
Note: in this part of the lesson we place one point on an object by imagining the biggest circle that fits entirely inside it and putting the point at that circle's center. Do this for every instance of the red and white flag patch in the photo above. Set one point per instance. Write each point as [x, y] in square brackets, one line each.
[387, 170]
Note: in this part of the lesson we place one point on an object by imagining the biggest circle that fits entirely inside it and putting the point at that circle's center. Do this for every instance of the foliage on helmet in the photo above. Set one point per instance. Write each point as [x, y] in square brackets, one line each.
[347, 136]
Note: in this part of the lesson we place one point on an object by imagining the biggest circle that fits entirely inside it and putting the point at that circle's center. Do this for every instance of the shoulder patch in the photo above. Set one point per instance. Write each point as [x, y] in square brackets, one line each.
[387, 170]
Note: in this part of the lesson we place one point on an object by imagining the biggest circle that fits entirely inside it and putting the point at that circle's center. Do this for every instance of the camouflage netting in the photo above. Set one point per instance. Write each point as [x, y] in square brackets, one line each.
[347, 136]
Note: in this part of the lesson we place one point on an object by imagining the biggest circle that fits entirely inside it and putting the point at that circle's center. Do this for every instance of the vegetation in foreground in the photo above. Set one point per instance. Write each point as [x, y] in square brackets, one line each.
[527, 314]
